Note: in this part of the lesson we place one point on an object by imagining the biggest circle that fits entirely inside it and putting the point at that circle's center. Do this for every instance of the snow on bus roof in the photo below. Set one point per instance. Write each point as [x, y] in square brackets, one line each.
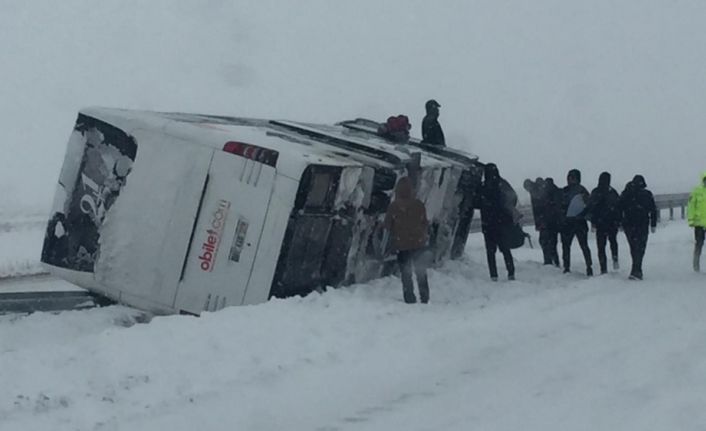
[214, 131]
[317, 145]
[262, 136]
[402, 151]
[303, 143]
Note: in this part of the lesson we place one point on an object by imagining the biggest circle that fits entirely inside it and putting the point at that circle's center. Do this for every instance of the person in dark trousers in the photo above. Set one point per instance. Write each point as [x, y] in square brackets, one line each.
[497, 202]
[406, 219]
[431, 129]
[639, 215]
[696, 216]
[574, 223]
[537, 192]
[549, 235]
[603, 211]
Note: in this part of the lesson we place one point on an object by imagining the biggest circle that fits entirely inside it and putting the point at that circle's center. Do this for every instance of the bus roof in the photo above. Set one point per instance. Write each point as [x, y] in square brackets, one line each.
[215, 131]
[351, 143]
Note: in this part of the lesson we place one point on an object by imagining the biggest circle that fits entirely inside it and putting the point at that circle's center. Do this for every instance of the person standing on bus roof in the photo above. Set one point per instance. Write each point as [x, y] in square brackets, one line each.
[696, 216]
[406, 219]
[431, 129]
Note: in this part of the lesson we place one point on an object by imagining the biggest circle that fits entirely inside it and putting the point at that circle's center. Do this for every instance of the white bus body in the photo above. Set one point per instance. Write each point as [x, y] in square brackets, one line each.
[185, 213]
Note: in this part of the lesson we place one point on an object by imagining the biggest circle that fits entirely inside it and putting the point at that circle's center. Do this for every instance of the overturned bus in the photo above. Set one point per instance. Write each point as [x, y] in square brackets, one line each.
[185, 213]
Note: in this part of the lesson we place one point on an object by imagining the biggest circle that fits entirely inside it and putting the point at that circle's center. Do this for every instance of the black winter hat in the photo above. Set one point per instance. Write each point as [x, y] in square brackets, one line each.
[431, 104]
[604, 179]
[639, 181]
[574, 173]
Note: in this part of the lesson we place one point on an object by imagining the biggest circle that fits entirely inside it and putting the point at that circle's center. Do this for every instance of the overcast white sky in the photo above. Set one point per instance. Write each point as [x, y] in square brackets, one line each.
[537, 87]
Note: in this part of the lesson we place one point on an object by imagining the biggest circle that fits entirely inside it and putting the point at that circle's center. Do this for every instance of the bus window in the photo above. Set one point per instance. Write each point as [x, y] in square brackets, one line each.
[319, 190]
[97, 166]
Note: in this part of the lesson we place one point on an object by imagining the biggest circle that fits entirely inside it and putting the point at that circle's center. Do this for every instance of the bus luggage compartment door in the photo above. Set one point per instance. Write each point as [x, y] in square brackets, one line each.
[226, 234]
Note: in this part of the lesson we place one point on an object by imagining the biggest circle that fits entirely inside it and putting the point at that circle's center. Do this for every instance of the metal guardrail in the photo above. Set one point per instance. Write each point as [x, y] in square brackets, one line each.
[664, 202]
[30, 302]
[672, 201]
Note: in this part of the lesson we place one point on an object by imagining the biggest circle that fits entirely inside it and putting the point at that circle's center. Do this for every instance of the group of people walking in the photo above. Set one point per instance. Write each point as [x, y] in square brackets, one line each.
[567, 212]
[562, 213]
[559, 214]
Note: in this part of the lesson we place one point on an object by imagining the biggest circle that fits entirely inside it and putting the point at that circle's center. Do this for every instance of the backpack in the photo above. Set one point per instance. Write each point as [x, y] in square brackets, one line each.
[512, 236]
[398, 124]
[576, 206]
[396, 128]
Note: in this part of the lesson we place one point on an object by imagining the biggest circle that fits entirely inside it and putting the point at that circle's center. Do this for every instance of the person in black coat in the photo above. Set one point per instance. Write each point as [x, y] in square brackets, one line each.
[604, 212]
[431, 129]
[574, 224]
[497, 201]
[551, 220]
[639, 215]
[536, 191]
[539, 197]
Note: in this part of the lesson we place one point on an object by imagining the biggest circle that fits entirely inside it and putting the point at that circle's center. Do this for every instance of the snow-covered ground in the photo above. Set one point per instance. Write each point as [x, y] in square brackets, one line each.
[547, 352]
[21, 237]
[595, 85]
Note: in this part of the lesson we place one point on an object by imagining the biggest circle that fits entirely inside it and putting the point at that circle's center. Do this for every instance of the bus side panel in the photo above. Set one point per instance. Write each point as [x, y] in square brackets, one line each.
[449, 217]
[281, 204]
[145, 237]
[226, 235]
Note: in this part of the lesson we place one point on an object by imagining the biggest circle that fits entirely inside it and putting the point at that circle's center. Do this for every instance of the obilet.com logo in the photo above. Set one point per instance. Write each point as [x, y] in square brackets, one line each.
[214, 232]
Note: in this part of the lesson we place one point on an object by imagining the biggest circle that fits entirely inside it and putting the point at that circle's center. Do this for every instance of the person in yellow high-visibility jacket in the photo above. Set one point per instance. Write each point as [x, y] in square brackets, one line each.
[696, 216]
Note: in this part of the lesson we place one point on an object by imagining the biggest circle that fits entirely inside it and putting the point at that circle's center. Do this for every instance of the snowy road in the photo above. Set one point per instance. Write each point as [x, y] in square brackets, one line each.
[547, 352]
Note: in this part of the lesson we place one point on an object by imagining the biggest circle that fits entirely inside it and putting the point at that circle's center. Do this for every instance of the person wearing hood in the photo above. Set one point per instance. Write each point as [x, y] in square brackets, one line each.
[548, 236]
[406, 219]
[431, 129]
[536, 190]
[603, 210]
[497, 202]
[575, 198]
[696, 216]
[639, 215]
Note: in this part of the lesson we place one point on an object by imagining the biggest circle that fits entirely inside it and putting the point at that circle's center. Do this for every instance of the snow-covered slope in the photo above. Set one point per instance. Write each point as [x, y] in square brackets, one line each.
[548, 352]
